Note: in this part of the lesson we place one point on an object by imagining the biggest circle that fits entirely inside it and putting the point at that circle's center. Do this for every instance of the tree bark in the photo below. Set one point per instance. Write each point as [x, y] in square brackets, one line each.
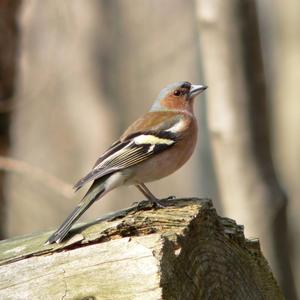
[184, 251]
[239, 128]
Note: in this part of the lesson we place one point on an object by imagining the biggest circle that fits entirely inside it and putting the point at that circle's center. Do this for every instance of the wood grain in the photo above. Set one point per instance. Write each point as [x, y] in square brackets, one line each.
[184, 251]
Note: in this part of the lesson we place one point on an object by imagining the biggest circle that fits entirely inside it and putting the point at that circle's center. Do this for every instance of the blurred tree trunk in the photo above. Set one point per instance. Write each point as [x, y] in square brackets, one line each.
[9, 36]
[62, 119]
[239, 127]
[286, 119]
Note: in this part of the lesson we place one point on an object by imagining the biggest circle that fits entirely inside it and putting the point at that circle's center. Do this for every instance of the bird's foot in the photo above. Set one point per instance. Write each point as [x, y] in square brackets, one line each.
[148, 204]
[157, 203]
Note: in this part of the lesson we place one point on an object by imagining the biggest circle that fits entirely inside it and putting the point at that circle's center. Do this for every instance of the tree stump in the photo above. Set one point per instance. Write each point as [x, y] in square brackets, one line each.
[183, 251]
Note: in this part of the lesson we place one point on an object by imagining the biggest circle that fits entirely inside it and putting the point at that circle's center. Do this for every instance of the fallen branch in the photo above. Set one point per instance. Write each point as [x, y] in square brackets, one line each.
[184, 251]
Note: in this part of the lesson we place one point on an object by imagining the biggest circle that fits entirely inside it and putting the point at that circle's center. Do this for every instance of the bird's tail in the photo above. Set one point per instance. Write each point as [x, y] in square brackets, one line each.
[95, 191]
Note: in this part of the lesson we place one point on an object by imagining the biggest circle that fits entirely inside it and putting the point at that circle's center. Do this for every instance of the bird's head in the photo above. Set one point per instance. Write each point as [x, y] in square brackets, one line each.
[177, 96]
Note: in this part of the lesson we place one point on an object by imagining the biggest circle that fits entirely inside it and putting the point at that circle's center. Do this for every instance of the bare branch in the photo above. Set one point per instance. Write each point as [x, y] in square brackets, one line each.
[23, 168]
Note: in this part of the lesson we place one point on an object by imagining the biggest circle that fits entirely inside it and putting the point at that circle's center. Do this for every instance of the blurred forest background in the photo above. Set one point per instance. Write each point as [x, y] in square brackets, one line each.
[74, 74]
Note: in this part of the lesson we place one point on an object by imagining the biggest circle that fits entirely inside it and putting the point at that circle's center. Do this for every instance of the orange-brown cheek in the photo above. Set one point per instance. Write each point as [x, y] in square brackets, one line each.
[174, 103]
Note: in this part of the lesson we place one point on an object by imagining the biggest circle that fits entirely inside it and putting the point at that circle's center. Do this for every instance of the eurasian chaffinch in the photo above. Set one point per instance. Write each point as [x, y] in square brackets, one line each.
[154, 146]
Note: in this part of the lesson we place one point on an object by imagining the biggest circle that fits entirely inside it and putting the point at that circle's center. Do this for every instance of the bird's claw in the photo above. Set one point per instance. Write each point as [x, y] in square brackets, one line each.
[147, 204]
[158, 204]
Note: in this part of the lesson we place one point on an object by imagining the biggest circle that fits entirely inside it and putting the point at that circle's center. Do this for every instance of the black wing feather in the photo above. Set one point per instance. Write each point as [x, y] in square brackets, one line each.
[125, 154]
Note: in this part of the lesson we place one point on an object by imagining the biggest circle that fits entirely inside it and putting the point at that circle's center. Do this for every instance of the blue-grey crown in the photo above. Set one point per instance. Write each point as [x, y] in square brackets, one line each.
[171, 87]
[165, 91]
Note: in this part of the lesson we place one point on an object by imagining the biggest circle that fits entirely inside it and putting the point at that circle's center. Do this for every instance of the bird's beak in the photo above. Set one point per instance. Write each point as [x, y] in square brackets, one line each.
[196, 90]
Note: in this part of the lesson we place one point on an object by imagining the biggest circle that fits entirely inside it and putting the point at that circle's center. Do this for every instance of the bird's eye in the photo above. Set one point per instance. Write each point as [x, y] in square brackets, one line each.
[177, 93]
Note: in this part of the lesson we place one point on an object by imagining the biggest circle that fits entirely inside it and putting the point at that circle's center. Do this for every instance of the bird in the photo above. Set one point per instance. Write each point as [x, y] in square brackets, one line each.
[156, 145]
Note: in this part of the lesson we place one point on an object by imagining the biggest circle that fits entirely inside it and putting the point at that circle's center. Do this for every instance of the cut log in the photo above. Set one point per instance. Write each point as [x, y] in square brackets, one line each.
[183, 251]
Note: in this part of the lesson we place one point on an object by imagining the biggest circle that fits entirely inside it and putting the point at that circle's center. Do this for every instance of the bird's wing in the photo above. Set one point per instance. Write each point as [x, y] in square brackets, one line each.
[133, 148]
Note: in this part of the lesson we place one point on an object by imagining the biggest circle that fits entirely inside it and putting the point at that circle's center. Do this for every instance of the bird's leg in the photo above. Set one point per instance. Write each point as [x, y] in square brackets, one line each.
[146, 192]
